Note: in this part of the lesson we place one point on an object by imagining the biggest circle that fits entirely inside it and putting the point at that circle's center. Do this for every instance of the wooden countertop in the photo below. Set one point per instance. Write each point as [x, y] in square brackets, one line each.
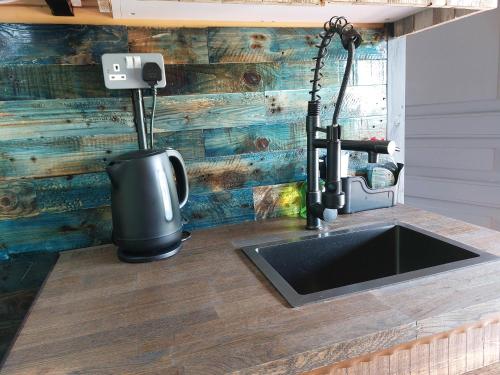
[208, 310]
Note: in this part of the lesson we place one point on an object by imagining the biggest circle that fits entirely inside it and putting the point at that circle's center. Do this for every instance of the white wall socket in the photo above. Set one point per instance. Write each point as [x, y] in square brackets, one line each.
[124, 70]
[117, 77]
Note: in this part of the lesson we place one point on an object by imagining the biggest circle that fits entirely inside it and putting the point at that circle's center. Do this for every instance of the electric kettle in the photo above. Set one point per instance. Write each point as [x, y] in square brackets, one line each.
[145, 202]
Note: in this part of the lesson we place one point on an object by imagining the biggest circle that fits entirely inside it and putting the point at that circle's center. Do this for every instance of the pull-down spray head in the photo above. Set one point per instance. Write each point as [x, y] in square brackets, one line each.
[324, 205]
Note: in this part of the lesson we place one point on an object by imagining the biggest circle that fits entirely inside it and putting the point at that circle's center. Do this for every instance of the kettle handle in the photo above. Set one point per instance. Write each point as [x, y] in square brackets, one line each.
[180, 174]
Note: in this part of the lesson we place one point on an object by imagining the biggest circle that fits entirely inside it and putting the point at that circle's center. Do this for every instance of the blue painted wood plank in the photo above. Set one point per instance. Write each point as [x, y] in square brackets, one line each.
[65, 117]
[280, 137]
[25, 82]
[236, 44]
[178, 46]
[295, 76]
[186, 79]
[255, 138]
[188, 112]
[246, 170]
[59, 44]
[359, 101]
[225, 207]
[56, 231]
[59, 156]
[277, 200]
[35, 197]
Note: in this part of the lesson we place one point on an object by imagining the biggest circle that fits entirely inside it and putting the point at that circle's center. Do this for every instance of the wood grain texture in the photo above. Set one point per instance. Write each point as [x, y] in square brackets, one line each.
[67, 117]
[246, 170]
[225, 207]
[359, 101]
[277, 200]
[59, 44]
[251, 139]
[55, 232]
[178, 46]
[295, 76]
[235, 112]
[216, 78]
[236, 44]
[432, 16]
[425, 356]
[38, 212]
[209, 111]
[58, 156]
[22, 82]
[226, 317]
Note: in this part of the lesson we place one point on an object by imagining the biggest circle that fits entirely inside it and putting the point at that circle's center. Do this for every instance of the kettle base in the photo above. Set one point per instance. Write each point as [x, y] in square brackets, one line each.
[150, 256]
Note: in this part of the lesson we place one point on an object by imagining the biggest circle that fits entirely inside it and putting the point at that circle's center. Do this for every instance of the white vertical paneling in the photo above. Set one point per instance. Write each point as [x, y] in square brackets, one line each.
[453, 119]
[396, 60]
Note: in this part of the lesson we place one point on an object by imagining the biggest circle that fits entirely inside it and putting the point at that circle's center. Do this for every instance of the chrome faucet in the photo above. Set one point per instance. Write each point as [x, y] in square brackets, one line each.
[324, 205]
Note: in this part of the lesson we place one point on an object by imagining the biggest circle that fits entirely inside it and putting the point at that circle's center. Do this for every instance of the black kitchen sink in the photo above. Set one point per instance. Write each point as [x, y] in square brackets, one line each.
[327, 265]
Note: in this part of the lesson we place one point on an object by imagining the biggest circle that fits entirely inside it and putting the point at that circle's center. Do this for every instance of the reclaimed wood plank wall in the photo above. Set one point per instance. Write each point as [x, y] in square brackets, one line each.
[234, 106]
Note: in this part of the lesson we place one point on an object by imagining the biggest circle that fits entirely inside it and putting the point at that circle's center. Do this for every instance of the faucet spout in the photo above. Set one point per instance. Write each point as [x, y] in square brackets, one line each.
[324, 205]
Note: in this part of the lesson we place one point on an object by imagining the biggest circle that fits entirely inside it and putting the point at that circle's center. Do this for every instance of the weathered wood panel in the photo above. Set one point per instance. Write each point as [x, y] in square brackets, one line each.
[67, 117]
[295, 76]
[184, 112]
[59, 44]
[216, 78]
[178, 46]
[226, 108]
[256, 138]
[32, 197]
[225, 207]
[236, 44]
[57, 156]
[35, 196]
[55, 232]
[70, 214]
[279, 137]
[21, 82]
[359, 101]
[246, 170]
[277, 200]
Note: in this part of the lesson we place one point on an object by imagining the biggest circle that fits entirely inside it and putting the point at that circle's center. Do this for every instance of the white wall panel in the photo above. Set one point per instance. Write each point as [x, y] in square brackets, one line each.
[453, 119]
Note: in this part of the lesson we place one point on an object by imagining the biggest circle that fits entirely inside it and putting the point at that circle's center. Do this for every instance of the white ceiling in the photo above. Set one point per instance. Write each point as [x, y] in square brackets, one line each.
[174, 10]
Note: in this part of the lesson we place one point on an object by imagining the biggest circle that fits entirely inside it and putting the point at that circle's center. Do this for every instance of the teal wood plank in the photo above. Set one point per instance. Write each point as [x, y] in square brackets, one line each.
[225, 207]
[56, 231]
[23, 82]
[256, 138]
[295, 76]
[246, 170]
[216, 78]
[34, 196]
[178, 46]
[58, 156]
[59, 44]
[359, 101]
[65, 117]
[236, 44]
[188, 112]
[280, 137]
